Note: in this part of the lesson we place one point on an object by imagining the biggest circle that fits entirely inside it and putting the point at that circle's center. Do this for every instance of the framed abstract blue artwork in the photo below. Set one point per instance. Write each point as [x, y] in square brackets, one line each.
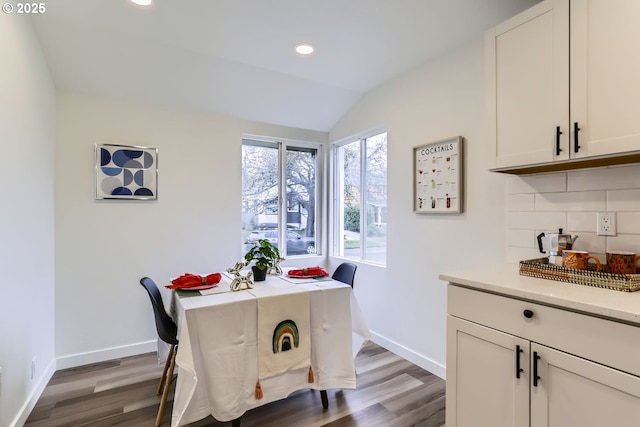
[126, 172]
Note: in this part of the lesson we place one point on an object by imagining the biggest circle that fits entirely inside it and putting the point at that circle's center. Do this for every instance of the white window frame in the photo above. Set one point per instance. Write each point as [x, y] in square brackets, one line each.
[337, 224]
[282, 145]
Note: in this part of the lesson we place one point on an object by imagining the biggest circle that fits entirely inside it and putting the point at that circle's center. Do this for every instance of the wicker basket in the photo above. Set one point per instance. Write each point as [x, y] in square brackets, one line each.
[541, 268]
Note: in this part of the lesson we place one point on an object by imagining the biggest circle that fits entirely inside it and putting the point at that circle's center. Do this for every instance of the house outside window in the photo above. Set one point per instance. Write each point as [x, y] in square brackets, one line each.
[360, 203]
[279, 195]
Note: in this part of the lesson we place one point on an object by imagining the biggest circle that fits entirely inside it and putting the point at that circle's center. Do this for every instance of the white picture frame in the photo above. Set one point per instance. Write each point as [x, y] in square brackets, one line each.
[126, 172]
[438, 177]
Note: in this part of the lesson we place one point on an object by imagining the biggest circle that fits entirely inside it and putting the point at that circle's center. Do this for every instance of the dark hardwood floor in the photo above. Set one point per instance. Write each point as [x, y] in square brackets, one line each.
[390, 392]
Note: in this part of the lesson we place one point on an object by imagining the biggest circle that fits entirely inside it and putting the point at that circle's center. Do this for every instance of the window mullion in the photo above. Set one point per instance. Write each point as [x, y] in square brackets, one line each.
[282, 197]
[363, 199]
[338, 201]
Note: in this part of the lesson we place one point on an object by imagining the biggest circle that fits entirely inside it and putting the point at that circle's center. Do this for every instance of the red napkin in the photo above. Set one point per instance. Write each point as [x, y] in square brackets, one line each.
[189, 280]
[309, 271]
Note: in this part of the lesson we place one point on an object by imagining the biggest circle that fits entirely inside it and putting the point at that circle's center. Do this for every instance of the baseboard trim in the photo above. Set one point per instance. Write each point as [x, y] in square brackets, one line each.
[413, 357]
[36, 392]
[79, 359]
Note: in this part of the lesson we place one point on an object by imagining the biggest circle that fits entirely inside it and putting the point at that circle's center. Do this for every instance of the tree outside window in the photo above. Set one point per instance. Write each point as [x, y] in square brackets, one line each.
[361, 218]
[265, 184]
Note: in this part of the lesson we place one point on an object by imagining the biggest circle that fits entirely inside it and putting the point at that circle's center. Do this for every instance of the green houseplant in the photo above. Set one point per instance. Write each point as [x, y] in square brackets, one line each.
[264, 255]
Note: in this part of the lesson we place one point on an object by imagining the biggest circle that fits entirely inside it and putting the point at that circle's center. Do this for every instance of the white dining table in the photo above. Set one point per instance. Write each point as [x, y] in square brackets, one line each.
[217, 357]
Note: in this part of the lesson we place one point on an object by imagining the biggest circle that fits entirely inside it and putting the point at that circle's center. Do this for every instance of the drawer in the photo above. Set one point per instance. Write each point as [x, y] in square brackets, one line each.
[604, 341]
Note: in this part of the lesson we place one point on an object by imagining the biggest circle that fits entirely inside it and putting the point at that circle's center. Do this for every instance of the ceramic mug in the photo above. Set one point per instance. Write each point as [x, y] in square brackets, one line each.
[622, 262]
[578, 260]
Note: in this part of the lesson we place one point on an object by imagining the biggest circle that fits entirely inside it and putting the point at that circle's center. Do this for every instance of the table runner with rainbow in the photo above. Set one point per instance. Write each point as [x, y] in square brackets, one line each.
[284, 334]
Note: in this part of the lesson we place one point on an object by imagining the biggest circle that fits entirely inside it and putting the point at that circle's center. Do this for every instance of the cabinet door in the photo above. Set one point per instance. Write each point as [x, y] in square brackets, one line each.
[576, 392]
[482, 386]
[527, 85]
[605, 67]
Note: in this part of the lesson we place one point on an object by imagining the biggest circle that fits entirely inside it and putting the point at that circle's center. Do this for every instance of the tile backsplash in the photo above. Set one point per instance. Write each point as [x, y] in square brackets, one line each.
[570, 200]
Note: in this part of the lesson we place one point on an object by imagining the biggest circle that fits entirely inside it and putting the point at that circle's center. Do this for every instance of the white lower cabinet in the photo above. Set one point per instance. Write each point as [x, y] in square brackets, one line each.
[572, 391]
[509, 376]
[482, 386]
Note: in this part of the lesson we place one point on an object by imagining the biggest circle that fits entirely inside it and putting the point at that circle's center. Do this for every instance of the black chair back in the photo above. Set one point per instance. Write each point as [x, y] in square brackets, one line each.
[166, 327]
[345, 273]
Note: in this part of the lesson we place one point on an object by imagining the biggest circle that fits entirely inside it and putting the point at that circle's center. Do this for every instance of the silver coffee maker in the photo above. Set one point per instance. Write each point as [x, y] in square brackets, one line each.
[555, 243]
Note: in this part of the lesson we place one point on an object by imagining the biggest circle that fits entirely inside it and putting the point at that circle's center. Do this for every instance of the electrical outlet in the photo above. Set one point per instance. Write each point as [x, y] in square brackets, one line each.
[33, 367]
[606, 223]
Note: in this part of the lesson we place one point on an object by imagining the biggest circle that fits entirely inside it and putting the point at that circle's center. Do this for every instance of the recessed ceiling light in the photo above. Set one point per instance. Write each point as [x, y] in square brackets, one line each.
[304, 49]
[142, 2]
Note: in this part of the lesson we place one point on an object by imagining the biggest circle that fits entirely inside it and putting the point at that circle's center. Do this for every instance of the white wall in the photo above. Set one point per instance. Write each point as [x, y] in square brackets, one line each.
[104, 247]
[27, 117]
[405, 302]
[570, 200]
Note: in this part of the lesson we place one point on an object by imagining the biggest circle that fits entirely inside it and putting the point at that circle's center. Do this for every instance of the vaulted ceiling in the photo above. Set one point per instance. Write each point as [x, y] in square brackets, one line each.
[236, 57]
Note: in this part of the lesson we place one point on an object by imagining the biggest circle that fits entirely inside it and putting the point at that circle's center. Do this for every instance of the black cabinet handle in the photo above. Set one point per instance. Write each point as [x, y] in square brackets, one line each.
[558, 133]
[518, 368]
[576, 129]
[535, 368]
[528, 314]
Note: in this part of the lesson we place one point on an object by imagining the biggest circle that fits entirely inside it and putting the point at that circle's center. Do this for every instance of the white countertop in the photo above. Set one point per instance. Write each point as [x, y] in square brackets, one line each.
[506, 280]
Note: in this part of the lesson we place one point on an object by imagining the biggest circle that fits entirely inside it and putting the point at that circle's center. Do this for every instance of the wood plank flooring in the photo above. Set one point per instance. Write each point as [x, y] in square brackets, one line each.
[390, 392]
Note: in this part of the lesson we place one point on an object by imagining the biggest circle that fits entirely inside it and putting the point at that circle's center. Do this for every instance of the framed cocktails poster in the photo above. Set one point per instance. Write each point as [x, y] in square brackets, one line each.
[437, 176]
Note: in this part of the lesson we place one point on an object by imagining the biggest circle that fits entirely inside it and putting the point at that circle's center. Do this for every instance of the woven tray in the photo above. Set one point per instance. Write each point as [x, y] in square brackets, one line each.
[541, 268]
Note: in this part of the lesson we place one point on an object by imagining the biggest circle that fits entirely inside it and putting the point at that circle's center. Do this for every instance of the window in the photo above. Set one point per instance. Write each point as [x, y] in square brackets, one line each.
[265, 183]
[361, 199]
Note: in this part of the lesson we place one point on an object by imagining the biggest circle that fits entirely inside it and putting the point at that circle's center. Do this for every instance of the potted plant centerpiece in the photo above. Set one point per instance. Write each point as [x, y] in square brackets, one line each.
[265, 255]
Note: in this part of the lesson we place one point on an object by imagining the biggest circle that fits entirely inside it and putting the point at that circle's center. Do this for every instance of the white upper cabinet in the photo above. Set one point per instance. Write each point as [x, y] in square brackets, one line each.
[605, 75]
[562, 84]
[528, 85]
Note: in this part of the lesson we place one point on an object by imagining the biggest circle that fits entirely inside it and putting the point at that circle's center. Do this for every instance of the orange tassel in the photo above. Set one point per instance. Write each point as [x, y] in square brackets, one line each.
[258, 390]
[311, 380]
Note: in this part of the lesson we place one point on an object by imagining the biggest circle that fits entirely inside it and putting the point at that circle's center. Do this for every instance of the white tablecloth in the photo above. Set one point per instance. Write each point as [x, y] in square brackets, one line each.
[217, 355]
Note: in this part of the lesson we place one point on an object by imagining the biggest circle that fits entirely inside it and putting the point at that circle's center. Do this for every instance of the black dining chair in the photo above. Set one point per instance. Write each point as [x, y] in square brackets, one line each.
[168, 332]
[345, 273]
